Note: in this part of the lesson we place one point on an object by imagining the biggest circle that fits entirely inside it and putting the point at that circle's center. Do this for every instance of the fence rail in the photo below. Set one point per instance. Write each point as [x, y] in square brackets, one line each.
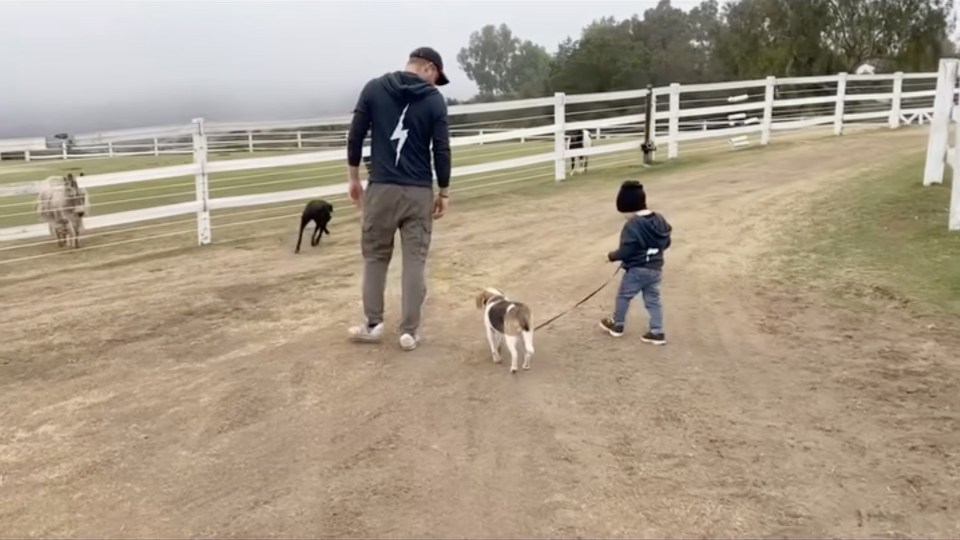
[681, 114]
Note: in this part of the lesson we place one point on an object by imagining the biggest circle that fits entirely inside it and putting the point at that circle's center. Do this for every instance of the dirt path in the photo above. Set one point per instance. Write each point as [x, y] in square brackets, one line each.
[213, 393]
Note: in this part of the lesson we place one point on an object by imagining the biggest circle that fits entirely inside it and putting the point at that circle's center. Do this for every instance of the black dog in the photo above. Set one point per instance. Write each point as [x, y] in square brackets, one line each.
[318, 211]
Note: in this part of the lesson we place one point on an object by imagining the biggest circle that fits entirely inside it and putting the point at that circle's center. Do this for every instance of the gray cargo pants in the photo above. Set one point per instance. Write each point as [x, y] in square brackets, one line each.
[386, 208]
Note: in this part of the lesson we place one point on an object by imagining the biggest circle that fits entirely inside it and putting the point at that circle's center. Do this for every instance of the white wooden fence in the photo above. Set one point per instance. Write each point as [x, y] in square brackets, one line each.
[939, 151]
[293, 135]
[100, 145]
[732, 111]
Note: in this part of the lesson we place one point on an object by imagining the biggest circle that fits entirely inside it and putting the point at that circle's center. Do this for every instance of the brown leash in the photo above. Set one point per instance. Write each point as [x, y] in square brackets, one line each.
[581, 302]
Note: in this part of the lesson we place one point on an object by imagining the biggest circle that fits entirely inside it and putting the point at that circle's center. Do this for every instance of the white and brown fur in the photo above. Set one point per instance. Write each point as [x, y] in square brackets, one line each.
[576, 140]
[515, 320]
[62, 203]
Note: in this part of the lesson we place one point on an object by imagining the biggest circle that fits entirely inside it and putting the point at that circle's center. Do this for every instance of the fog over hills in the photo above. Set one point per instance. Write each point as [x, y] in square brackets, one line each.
[90, 65]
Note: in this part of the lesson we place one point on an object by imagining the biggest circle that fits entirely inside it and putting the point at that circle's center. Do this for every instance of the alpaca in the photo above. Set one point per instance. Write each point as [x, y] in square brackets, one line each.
[62, 203]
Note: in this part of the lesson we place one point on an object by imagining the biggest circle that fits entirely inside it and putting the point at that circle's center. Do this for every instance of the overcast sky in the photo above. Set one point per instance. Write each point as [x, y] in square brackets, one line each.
[88, 65]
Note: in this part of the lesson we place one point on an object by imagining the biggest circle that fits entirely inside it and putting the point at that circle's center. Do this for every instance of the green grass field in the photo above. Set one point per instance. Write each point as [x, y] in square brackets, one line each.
[881, 239]
[20, 210]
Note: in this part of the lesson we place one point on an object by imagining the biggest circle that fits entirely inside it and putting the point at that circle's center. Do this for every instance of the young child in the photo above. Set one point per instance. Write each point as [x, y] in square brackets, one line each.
[644, 238]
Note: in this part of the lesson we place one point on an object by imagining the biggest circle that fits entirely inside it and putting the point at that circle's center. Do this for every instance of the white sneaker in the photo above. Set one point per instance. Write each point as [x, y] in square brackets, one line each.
[366, 333]
[409, 342]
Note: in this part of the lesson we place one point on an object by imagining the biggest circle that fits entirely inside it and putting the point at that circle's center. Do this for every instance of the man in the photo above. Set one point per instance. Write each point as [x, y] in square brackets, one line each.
[406, 113]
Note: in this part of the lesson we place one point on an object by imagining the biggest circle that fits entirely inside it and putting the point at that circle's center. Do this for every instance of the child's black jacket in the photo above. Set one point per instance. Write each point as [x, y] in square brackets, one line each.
[643, 240]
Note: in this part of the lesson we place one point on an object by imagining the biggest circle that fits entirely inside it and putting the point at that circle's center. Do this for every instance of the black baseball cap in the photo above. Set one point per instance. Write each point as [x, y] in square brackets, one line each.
[432, 56]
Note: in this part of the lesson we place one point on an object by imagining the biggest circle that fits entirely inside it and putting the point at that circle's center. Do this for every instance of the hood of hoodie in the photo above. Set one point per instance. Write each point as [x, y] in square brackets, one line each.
[407, 86]
[656, 224]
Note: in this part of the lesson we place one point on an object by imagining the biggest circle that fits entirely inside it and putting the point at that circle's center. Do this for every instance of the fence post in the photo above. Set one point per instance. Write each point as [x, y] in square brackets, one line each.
[649, 126]
[838, 108]
[673, 145]
[894, 120]
[299, 139]
[156, 146]
[768, 97]
[63, 149]
[559, 136]
[201, 182]
[938, 138]
[249, 141]
[110, 148]
[480, 134]
[652, 96]
[26, 155]
[953, 222]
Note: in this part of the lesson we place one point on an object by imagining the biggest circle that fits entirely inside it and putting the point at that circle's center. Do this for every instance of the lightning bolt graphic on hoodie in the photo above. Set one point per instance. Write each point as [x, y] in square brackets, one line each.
[400, 134]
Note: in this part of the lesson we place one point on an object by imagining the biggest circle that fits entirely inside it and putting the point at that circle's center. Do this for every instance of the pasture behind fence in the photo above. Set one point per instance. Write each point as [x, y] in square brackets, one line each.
[487, 139]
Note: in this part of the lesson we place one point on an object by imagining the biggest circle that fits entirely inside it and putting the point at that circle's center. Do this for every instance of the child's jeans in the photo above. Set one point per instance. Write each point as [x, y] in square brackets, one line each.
[635, 281]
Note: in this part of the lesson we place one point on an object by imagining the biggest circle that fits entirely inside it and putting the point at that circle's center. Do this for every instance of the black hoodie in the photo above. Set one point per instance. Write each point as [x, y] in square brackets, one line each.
[406, 115]
[644, 238]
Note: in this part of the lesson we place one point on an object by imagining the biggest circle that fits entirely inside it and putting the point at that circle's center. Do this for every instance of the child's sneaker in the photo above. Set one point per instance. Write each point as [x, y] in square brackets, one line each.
[656, 339]
[366, 333]
[612, 328]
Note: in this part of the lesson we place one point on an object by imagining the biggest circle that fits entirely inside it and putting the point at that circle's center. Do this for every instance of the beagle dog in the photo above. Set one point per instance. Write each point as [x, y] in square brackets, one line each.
[507, 320]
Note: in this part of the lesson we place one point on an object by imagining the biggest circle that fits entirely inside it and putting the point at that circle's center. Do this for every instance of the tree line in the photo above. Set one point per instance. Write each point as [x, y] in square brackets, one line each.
[743, 39]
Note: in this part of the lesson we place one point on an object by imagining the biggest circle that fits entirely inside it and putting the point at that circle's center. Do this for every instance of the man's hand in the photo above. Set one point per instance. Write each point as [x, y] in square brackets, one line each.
[440, 202]
[355, 190]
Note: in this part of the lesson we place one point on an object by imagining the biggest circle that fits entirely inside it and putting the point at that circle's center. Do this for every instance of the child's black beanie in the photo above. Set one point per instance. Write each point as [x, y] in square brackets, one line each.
[631, 197]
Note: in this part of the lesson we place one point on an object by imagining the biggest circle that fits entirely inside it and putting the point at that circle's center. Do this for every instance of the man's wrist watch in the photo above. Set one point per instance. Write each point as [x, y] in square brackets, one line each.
[443, 193]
